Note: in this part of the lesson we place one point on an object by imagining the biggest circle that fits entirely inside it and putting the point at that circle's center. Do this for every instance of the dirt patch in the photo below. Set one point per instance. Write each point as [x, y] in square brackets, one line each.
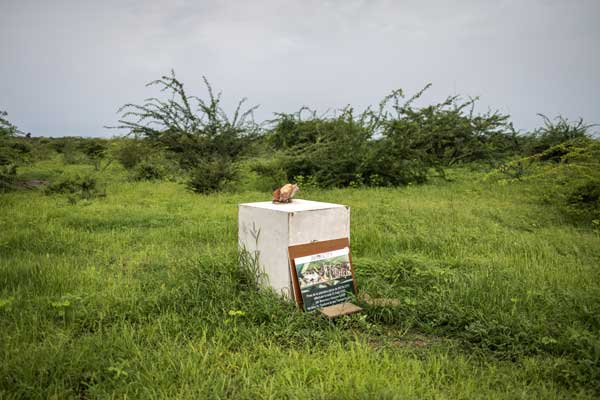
[379, 301]
[409, 341]
[417, 342]
[33, 183]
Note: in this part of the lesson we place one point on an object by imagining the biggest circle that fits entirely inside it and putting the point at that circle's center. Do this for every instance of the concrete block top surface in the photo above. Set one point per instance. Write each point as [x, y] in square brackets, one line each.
[296, 205]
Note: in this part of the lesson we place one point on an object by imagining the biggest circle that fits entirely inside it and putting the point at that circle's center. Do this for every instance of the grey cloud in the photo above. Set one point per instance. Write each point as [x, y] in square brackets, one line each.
[67, 66]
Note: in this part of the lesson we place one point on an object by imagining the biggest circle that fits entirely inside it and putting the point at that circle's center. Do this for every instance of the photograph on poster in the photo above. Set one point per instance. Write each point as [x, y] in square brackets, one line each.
[325, 279]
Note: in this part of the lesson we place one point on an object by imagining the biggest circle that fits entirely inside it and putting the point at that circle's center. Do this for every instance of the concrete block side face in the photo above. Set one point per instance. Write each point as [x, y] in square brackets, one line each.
[266, 232]
[319, 225]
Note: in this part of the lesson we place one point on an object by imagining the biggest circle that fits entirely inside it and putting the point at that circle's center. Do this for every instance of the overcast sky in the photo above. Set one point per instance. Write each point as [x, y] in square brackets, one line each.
[67, 66]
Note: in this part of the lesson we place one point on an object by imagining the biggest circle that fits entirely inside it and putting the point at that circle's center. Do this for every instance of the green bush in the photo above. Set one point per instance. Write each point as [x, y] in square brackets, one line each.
[392, 162]
[78, 150]
[6, 128]
[554, 133]
[130, 152]
[82, 187]
[396, 145]
[211, 176]
[72, 154]
[95, 150]
[13, 152]
[270, 172]
[332, 151]
[583, 201]
[8, 177]
[40, 149]
[572, 180]
[59, 144]
[566, 176]
[147, 171]
[291, 130]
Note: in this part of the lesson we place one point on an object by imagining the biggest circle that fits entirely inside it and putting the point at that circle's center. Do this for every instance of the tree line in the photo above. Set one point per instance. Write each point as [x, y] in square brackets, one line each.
[392, 144]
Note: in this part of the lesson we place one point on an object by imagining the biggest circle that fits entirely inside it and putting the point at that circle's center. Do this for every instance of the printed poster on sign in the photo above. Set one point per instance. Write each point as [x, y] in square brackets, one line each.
[325, 279]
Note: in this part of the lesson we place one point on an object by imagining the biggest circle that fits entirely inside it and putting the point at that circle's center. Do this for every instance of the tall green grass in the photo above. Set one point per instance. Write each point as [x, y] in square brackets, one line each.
[139, 295]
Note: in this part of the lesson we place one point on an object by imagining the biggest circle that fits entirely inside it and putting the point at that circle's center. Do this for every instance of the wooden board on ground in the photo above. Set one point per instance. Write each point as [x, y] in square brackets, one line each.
[340, 309]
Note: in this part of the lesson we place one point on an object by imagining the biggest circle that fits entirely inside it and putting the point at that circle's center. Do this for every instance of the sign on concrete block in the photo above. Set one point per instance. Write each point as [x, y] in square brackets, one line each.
[322, 273]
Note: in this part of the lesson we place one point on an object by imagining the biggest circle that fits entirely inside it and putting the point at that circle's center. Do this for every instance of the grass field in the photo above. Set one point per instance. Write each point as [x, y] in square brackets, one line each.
[139, 295]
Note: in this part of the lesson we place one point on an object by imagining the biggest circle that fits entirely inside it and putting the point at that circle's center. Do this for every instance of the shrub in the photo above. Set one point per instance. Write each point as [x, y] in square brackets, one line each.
[6, 128]
[95, 150]
[84, 187]
[130, 152]
[147, 171]
[211, 176]
[155, 165]
[396, 145]
[392, 162]
[583, 200]
[567, 176]
[575, 177]
[291, 131]
[12, 153]
[58, 144]
[330, 150]
[72, 154]
[555, 133]
[8, 177]
[270, 172]
[41, 149]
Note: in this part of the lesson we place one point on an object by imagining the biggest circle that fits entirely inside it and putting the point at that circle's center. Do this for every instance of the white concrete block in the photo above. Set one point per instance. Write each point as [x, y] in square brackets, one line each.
[268, 229]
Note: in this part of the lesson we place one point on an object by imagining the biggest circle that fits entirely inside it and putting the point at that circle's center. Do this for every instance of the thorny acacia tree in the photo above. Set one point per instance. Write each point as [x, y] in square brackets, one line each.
[196, 130]
[443, 134]
[555, 132]
[393, 144]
